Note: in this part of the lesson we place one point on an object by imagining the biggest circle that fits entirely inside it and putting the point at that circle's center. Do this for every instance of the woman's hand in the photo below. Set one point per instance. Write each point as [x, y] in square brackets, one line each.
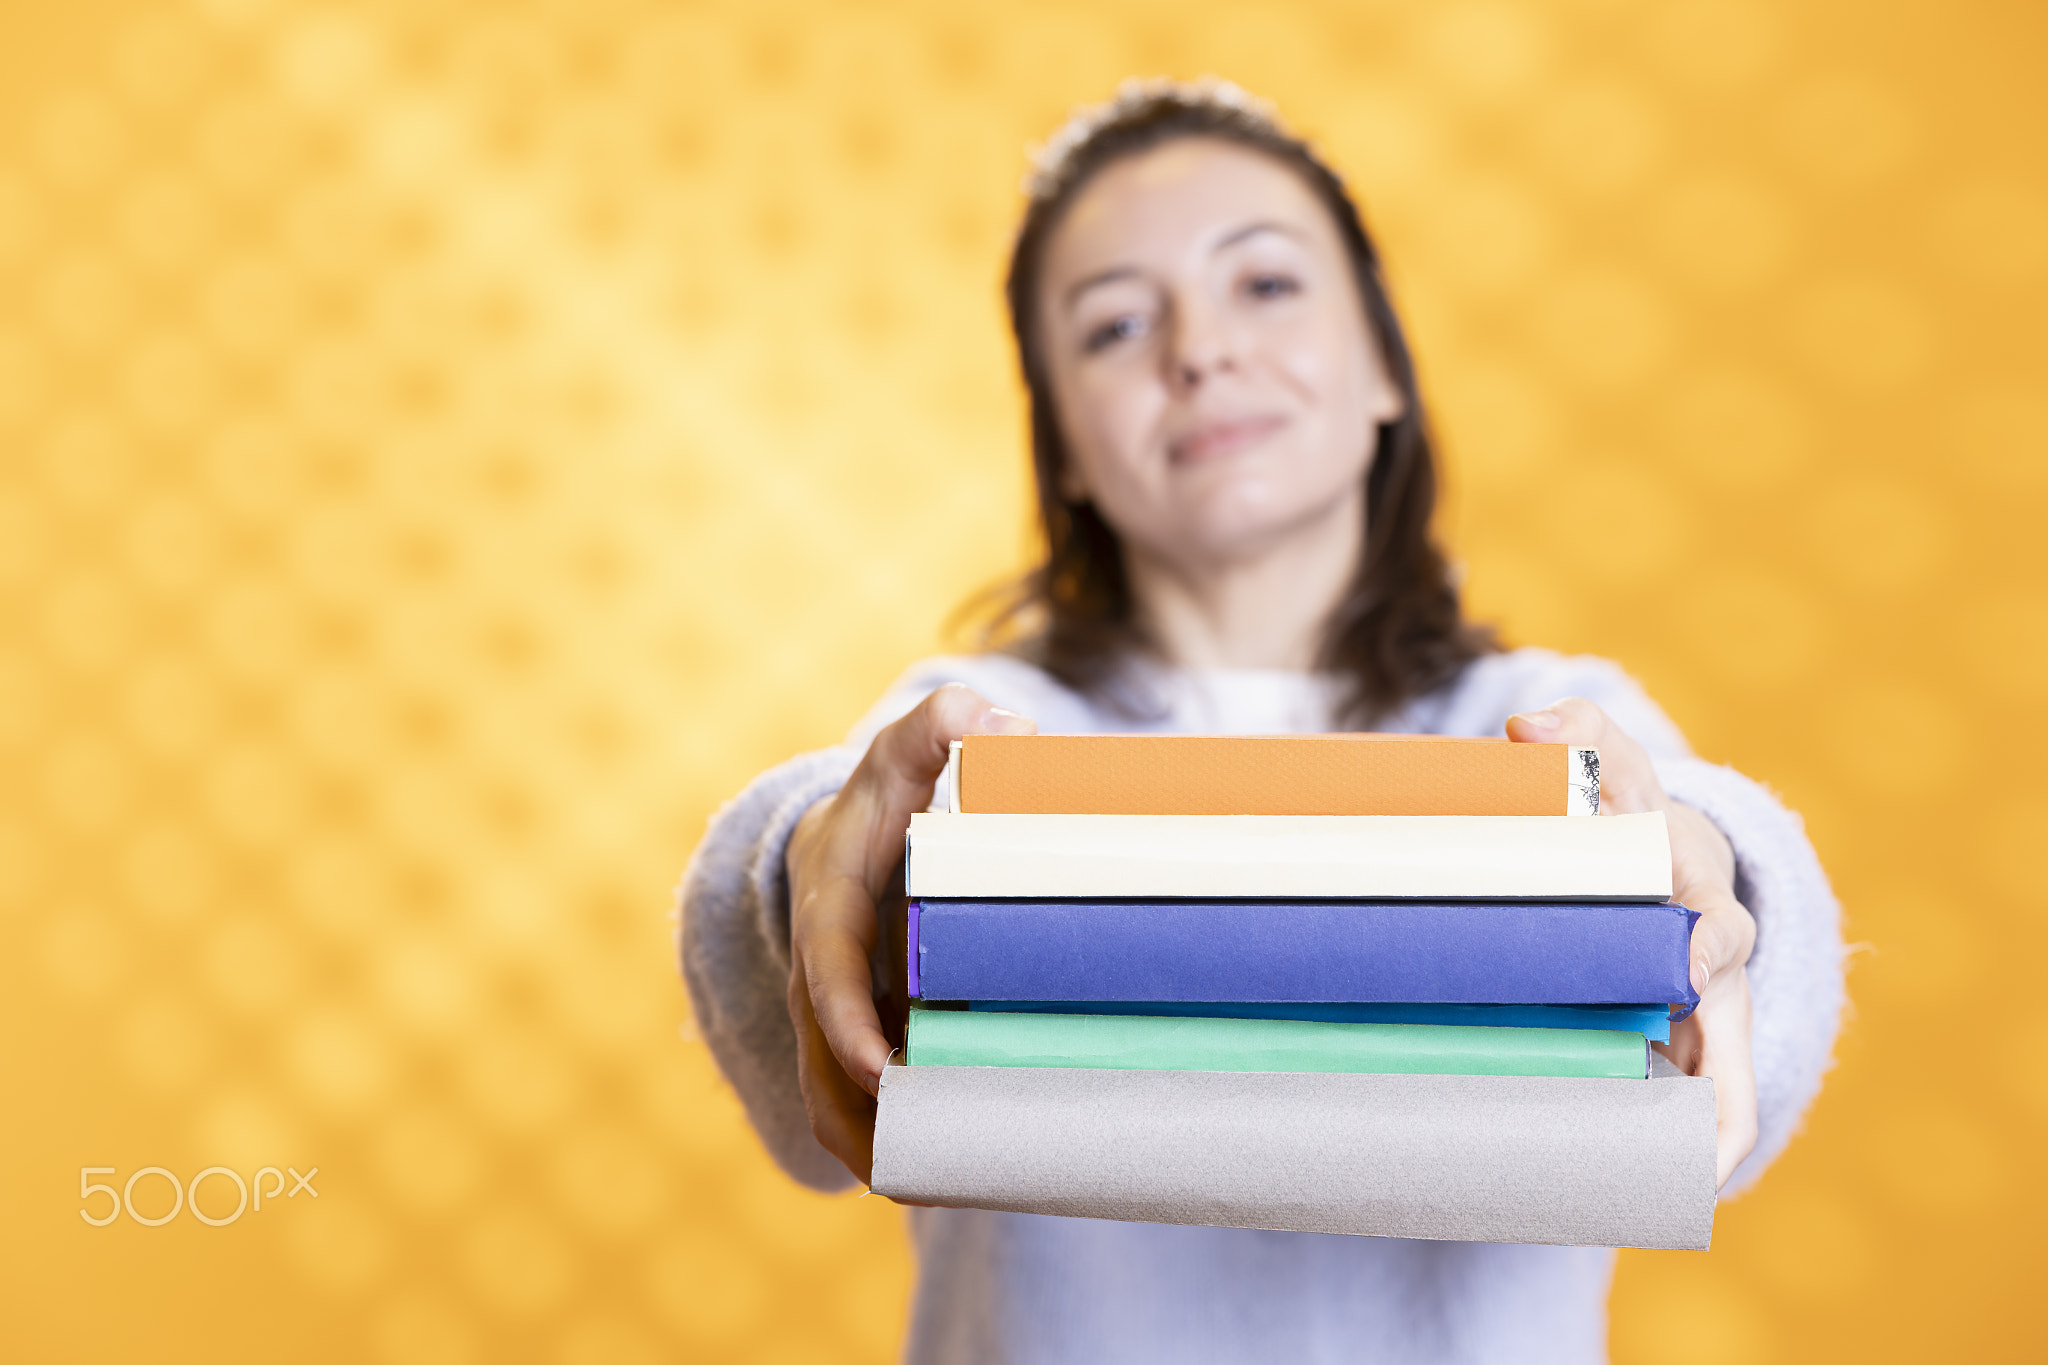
[842, 857]
[1714, 1041]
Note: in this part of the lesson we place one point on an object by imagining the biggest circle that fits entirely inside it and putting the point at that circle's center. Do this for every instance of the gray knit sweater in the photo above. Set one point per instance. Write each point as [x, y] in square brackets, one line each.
[1003, 1287]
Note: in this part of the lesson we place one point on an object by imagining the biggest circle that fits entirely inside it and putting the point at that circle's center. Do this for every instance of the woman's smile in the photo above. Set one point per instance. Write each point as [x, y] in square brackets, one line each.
[1216, 438]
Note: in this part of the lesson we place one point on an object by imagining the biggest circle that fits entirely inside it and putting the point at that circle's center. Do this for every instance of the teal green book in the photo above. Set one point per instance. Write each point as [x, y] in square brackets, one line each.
[1150, 1043]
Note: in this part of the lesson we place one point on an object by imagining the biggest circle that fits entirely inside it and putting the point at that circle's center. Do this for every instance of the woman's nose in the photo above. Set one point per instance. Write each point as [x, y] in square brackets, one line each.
[1202, 344]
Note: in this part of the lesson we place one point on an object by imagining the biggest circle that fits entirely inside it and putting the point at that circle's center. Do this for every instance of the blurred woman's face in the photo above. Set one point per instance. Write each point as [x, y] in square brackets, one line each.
[1216, 379]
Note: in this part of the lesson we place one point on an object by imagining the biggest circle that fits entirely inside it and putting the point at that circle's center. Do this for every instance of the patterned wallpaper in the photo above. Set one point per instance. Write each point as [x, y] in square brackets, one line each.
[447, 448]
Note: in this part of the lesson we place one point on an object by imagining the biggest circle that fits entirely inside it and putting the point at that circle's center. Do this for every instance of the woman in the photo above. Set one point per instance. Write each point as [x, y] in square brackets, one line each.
[1236, 483]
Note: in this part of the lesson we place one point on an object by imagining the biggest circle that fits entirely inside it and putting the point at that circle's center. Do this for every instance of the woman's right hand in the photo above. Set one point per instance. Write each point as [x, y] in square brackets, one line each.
[841, 859]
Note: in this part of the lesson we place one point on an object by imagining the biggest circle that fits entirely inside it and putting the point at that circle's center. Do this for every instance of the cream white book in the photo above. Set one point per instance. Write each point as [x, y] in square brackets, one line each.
[1283, 857]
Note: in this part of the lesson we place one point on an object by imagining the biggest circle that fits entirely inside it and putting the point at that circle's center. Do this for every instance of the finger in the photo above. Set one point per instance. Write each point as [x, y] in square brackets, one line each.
[1683, 1051]
[895, 777]
[1569, 720]
[1714, 1042]
[842, 1115]
[1628, 782]
[1722, 937]
[1725, 1055]
[1702, 859]
[910, 754]
[834, 947]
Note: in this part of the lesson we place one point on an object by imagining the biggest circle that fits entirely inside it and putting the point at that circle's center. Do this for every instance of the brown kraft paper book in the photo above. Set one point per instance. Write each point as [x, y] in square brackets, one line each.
[1269, 775]
[1558, 1160]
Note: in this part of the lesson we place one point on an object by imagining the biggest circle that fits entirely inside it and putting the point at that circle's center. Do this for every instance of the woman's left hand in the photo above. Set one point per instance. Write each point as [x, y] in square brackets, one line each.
[1714, 1040]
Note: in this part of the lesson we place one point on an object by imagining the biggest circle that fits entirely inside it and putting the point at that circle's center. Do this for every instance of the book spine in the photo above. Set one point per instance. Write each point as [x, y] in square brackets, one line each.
[1619, 858]
[1517, 953]
[1560, 1160]
[1584, 789]
[1269, 775]
[1149, 1043]
[912, 916]
[1652, 1021]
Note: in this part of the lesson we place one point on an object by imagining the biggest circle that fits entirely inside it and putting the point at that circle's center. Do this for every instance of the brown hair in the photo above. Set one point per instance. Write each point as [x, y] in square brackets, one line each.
[1398, 633]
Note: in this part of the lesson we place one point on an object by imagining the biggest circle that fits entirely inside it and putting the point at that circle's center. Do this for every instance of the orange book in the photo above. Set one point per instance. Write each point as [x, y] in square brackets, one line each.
[1268, 775]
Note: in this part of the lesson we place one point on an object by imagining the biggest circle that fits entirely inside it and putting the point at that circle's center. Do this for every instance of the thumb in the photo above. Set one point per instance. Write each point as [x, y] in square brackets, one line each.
[910, 754]
[1722, 939]
[1570, 720]
[1628, 780]
[895, 778]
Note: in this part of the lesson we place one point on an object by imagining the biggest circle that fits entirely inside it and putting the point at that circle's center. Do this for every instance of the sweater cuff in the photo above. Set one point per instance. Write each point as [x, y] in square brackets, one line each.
[733, 941]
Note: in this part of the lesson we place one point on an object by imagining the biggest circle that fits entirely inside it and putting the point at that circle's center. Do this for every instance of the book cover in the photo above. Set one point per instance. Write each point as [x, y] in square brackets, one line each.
[1652, 1021]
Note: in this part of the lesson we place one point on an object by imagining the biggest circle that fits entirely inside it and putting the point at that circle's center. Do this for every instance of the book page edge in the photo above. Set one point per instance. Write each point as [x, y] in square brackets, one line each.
[1582, 779]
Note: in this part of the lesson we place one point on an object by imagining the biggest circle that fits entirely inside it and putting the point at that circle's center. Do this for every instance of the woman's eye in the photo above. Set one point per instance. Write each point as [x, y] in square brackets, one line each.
[1120, 328]
[1273, 286]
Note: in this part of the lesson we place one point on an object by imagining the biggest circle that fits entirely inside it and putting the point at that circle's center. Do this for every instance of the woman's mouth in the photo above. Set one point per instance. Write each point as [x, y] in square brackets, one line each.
[1212, 440]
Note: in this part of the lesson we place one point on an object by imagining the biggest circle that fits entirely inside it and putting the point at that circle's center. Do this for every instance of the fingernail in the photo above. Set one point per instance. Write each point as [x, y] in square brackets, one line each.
[1701, 975]
[1541, 720]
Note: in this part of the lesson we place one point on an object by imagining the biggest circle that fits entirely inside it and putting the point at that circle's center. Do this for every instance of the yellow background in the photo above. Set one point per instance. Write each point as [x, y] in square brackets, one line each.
[446, 448]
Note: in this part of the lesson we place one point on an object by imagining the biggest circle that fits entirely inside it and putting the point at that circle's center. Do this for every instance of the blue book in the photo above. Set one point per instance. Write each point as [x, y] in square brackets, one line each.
[1405, 952]
[1652, 1021]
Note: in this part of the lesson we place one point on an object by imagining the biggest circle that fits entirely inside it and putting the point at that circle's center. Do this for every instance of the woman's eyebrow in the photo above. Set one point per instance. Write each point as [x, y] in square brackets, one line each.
[1254, 229]
[1109, 276]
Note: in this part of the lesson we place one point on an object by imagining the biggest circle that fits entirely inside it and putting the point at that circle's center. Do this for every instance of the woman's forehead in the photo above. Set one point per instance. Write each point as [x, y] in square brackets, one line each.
[1179, 196]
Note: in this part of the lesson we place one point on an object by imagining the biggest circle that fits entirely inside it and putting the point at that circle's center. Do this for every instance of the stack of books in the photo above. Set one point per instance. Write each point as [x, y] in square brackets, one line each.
[1358, 984]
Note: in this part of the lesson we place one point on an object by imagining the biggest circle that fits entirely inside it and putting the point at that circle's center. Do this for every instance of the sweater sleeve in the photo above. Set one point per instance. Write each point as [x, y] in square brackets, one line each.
[732, 934]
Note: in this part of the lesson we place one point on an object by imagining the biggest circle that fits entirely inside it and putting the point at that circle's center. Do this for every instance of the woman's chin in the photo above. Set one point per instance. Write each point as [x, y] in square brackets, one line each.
[1240, 534]
[1260, 489]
